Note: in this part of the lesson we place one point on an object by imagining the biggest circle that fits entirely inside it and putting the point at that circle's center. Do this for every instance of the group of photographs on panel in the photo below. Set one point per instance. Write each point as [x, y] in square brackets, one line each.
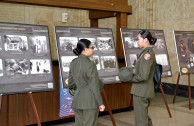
[18, 43]
[104, 56]
[104, 44]
[25, 55]
[25, 59]
[185, 50]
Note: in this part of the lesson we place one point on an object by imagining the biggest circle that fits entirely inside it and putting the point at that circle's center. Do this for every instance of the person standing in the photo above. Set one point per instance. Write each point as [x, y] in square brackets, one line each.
[142, 80]
[83, 77]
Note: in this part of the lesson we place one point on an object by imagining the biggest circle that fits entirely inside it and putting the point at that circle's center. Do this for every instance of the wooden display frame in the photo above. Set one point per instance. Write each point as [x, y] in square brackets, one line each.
[33, 107]
[189, 88]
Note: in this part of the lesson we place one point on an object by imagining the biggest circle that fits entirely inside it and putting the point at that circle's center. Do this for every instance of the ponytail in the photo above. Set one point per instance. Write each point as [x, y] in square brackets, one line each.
[81, 45]
[76, 51]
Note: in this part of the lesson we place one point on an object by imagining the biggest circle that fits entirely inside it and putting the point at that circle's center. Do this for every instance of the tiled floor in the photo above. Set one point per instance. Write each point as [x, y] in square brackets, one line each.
[181, 115]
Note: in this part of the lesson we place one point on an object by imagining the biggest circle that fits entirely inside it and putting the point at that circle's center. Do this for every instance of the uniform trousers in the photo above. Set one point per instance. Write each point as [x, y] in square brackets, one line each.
[141, 105]
[86, 117]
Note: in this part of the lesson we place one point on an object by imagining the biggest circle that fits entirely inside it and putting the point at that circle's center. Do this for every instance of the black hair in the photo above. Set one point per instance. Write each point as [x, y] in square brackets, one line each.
[181, 41]
[146, 34]
[81, 45]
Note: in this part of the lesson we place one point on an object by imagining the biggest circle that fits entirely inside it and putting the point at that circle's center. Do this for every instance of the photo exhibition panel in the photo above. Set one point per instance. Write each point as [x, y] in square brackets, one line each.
[132, 50]
[184, 41]
[104, 56]
[25, 59]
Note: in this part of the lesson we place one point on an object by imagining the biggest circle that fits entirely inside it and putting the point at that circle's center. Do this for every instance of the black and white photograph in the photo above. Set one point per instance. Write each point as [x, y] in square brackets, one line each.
[66, 60]
[1, 68]
[15, 43]
[108, 62]
[191, 61]
[183, 53]
[96, 60]
[184, 41]
[131, 42]
[68, 43]
[0, 44]
[161, 59]
[160, 44]
[105, 43]
[40, 66]
[133, 59]
[14, 67]
[38, 44]
[191, 44]
[93, 40]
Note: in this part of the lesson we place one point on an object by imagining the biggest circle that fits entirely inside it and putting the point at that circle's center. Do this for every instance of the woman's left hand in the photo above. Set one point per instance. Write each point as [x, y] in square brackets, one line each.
[101, 108]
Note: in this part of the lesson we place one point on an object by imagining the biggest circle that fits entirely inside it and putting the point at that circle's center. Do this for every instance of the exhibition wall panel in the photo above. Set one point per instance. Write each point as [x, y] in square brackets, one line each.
[25, 59]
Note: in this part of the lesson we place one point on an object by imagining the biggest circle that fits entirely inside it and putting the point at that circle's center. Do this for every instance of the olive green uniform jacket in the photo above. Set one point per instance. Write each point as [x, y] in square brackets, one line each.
[142, 81]
[83, 77]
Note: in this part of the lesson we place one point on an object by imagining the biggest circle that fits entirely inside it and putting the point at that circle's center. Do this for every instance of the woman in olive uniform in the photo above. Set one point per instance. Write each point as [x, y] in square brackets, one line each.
[142, 80]
[83, 77]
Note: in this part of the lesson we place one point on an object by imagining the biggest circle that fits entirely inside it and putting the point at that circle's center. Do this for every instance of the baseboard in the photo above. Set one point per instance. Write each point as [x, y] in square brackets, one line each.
[182, 90]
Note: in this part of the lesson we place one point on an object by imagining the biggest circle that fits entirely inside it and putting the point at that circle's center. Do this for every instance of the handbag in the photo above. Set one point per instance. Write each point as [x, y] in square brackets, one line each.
[157, 77]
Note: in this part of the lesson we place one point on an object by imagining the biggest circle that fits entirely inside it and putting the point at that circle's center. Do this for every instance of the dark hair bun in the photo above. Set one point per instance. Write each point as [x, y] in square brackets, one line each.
[153, 41]
[76, 51]
[144, 33]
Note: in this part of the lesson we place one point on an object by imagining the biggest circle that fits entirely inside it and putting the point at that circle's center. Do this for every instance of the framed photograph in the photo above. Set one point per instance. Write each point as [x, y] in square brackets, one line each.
[131, 42]
[132, 51]
[66, 60]
[15, 43]
[67, 44]
[105, 43]
[1, 68]
[38, 44]
[133, 59]
[0, 44]
[25, 59]
[14, 67]
[184, 41]
[104, 56]
[108, 62]
[40, 66]
[96, 60]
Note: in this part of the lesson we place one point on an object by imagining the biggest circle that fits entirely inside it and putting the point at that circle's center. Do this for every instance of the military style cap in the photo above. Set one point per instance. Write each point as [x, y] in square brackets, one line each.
[125, 74]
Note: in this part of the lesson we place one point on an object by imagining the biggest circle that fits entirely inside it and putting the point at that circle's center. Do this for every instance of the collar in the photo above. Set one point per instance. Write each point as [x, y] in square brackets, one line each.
[82, 55]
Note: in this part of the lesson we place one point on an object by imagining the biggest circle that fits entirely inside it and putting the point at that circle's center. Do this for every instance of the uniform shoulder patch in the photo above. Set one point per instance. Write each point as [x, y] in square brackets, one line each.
[147, 56]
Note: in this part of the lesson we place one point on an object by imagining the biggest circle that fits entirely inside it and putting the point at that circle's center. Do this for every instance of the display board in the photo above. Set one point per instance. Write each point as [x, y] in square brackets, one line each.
[104, 56]
[25, 59]
[132, 50]
[184, 41]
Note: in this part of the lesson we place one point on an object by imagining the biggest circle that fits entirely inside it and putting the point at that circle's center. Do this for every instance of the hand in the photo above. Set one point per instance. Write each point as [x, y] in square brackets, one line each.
[101, 108]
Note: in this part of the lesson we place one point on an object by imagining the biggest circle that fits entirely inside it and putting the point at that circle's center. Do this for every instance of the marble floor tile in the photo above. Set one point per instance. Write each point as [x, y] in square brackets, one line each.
[181, 115]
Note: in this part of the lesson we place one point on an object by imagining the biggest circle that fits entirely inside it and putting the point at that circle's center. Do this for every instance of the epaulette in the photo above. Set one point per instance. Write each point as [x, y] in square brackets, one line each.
[73, 60]
[148, 50]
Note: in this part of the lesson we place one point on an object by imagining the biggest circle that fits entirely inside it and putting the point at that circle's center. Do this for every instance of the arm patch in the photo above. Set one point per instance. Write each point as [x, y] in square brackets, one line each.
[147, 56]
